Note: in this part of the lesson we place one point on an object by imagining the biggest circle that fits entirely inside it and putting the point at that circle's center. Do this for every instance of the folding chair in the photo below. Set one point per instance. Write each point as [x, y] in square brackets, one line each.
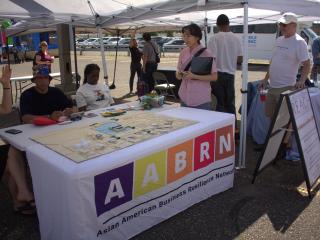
[162, 85]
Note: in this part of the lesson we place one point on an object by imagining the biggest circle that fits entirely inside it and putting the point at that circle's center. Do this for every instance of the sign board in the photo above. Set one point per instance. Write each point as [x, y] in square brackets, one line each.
[306, 132]
[296, 108]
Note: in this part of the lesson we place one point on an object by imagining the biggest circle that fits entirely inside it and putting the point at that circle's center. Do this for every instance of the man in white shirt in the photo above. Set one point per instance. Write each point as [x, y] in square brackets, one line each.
[289, 52]
[227, 51]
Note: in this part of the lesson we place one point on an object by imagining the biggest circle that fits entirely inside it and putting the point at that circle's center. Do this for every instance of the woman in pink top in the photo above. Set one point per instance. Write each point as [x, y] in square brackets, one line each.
[195, 90]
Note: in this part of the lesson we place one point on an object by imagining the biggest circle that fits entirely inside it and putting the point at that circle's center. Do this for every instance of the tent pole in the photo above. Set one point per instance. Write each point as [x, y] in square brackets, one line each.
[243, 129]
[113, 86]
[75, 56]
[103, 57]
[206, 29]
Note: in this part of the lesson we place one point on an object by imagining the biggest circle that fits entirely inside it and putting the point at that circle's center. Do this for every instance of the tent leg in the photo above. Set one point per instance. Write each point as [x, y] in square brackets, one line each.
[103, 57]
[75, 57]
[243, 129]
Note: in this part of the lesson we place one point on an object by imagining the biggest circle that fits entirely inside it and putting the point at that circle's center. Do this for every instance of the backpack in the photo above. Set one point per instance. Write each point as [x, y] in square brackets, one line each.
[142, 88]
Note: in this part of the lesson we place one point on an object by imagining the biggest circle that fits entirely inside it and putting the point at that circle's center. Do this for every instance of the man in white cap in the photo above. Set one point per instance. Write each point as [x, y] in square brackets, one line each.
[289, 52]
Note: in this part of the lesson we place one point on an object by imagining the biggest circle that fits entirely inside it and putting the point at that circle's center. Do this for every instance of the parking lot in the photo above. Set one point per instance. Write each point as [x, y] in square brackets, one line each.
[166, 44]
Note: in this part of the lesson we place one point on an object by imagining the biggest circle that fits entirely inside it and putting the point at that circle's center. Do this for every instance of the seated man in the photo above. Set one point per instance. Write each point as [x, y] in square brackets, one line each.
[12, 166]
[43, 100]
[40, 100]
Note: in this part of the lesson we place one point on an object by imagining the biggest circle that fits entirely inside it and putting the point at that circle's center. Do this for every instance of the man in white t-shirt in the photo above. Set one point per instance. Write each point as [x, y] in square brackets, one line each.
[289, 52]
[227, 51]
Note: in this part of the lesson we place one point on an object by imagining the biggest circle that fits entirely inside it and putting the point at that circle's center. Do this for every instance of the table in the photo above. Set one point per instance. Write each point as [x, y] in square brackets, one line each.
[258, 123]
[170, 73]
[119, 195]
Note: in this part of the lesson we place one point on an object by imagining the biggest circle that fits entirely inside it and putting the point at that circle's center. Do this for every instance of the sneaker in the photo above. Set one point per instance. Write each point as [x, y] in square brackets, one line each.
[292, 156]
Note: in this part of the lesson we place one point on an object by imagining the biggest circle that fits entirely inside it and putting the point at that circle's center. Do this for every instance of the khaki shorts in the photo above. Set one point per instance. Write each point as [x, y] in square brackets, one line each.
[272, 100]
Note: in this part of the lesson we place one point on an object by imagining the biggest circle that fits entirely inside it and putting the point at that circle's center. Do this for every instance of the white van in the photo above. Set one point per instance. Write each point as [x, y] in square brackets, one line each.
[261, 38]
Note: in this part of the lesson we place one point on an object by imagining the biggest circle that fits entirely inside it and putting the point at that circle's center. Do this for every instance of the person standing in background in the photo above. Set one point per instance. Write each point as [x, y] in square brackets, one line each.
[227, 51]
[316, 58]
[42, 57]
[135, 66]
[150, 65]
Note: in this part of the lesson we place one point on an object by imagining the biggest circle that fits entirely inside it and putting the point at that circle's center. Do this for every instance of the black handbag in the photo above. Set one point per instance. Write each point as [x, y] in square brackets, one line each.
[201, 65]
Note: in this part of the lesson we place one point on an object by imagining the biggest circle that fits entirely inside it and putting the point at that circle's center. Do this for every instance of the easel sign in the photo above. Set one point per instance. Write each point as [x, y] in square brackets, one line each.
[296, 108]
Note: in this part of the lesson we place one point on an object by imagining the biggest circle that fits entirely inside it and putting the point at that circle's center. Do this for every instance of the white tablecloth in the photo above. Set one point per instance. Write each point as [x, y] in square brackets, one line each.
[109, 198]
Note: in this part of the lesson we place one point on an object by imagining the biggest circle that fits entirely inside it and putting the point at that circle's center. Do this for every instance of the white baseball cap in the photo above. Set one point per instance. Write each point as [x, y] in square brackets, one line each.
[288, 18]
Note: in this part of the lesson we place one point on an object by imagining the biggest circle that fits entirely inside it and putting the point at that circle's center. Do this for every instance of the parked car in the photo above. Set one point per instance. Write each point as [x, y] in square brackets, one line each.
[164, 40]
[89, 43]
[175, 45]
[156, 39]
[79, 40]
[124, 43]
[111, 42]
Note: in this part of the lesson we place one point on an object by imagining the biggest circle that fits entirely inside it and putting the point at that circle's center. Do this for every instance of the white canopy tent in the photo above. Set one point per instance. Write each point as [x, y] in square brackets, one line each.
[44, 13]
[112, 12]
[255, 16]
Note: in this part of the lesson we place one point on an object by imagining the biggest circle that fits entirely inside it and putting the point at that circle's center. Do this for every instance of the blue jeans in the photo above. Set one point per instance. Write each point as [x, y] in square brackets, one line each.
[204, 106]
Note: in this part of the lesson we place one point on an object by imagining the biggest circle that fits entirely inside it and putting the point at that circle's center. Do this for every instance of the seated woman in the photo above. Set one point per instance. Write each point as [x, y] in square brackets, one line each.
[13, 168]
[92, 95]
[195, 90]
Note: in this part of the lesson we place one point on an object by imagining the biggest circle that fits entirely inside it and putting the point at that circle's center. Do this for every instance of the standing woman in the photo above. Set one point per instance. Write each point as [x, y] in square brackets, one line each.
[92, 95]
[43, 57]
[135, 66]
[195, 90]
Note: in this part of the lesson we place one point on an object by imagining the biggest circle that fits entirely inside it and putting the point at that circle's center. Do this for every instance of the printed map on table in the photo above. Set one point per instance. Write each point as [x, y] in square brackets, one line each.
[86, 142]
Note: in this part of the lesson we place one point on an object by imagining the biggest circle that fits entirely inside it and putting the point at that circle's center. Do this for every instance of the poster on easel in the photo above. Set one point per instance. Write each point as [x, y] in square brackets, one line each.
[294, 107]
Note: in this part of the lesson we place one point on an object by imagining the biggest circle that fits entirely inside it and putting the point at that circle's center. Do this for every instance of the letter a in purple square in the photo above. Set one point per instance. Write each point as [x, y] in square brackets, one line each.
[113, 188]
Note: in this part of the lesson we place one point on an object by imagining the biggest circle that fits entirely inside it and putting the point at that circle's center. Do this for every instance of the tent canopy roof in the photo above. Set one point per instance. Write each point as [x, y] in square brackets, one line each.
[147, 14]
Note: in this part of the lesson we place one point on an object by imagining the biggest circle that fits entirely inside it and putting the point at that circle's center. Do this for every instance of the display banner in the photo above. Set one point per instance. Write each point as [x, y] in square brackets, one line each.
[136, 196]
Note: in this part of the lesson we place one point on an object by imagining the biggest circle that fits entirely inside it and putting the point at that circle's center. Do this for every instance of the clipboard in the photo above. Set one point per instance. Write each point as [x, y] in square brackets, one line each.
[201, 65]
